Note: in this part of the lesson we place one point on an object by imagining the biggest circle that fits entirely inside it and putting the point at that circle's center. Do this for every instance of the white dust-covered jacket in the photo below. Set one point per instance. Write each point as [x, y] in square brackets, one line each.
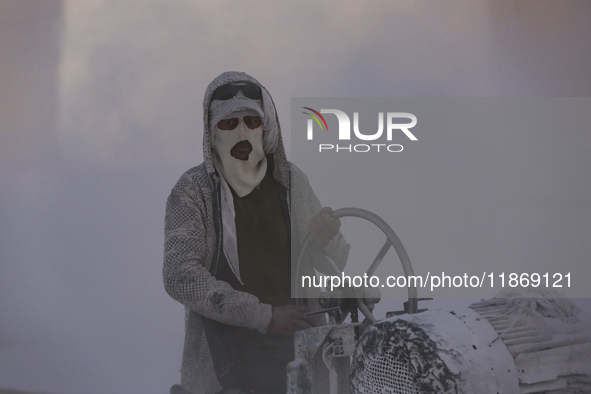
[194, 247]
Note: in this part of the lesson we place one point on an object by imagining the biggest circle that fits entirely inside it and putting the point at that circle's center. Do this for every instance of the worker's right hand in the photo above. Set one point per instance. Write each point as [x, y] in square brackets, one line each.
[323, 227]
[287, 319]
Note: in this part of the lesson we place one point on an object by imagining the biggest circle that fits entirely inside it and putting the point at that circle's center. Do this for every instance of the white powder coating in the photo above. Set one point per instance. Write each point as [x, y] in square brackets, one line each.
[549, 338]
[527, 343]
[458, 356]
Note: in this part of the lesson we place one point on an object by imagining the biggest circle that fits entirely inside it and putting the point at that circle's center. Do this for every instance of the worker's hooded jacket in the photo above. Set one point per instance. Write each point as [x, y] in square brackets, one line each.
[199, 240]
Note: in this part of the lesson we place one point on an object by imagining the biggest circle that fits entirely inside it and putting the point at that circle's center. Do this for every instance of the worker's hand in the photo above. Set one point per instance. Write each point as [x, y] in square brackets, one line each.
[287, 319]
[323, 228]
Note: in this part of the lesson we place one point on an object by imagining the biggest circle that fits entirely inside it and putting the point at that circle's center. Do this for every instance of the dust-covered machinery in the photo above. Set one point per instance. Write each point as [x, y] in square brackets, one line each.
[528, 342]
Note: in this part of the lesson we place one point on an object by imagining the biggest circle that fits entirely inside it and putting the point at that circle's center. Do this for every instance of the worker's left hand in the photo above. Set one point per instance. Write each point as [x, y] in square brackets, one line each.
[323, 228]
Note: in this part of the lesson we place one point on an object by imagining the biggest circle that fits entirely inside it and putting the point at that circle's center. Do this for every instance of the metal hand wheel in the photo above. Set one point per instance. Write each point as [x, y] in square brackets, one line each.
[391, 240]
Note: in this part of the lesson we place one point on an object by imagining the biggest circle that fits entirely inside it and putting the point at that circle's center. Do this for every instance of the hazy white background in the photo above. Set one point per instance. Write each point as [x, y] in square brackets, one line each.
[100, 113]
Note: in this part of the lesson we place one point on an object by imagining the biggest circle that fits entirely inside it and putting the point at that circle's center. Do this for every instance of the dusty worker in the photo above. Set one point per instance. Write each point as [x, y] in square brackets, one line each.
[230, 227]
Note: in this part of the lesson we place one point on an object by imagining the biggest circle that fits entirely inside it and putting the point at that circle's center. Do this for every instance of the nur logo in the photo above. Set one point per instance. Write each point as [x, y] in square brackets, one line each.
[392, 125]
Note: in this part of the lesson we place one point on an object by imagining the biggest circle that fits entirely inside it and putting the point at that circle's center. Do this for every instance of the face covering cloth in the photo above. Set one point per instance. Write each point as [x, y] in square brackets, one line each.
[239, 154]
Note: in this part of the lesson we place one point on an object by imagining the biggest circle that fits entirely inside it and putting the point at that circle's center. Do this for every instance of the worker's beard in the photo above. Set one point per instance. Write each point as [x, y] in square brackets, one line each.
[239, 157]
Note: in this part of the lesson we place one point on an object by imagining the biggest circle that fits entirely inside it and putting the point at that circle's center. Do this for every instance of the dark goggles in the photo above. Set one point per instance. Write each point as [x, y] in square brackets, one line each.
[252, 122]
[226, 92]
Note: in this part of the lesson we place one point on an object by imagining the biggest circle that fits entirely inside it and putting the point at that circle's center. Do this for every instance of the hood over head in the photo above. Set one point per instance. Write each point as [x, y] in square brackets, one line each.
[272, 142]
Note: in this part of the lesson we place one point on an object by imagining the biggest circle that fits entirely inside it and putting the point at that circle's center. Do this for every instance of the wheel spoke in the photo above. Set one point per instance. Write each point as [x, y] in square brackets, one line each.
[365, 310]
[332, 265]
[379, 257]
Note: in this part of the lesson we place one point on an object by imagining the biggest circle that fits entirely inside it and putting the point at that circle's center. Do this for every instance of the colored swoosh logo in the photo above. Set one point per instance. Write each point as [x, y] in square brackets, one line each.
[316, 117]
